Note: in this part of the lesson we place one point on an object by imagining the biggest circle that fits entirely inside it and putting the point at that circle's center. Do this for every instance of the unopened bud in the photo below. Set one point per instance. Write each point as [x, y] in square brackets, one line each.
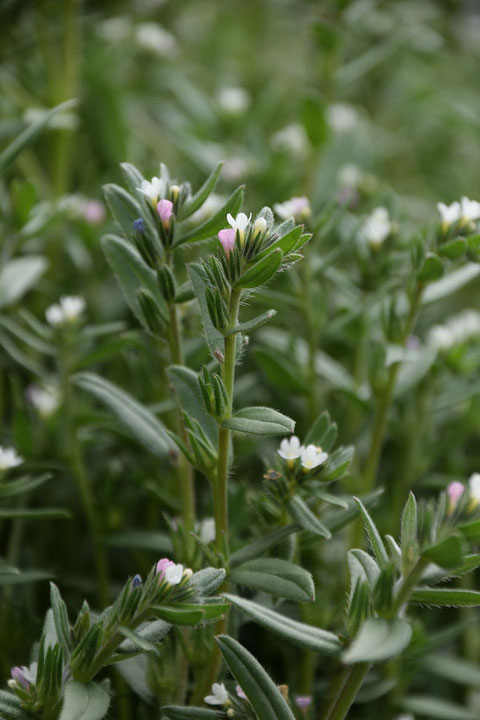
[174, 190]
[260, 226]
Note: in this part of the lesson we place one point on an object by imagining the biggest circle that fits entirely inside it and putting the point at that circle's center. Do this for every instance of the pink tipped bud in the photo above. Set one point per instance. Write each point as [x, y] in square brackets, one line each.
[165, 209]
[454, 491]
[240, 692]
[227, 239]
[18, 675]
[162, 566]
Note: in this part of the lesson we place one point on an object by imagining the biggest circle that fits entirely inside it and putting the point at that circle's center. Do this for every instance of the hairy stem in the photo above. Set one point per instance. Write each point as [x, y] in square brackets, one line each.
[351, 682]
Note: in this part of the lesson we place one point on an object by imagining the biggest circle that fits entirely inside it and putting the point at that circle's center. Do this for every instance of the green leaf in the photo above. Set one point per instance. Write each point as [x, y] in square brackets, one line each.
[471, 530]
[453, 248]
[24, 577]
[178, 712]
[178, 615]
[60, 618]
[378, 640]
[10, 707]
[132, 274]
[197, 200]
[264, 696]
[208, 580]
[211, 226]
[409, 543]
[260, 421]
[185, 382]
[213, 337]
[323, 433]
[437, 708]
[261, 271]
[450, 283]
[314, 119]
[125, 210]
[40, 514]
[252, 324]
[140, 422]
[22, 485]
[259, 547]
[275, 577]
[432, 269]
[138, 642]
[445, 597]
[149, 632]
[286, 243]
[210, 610]
[447, 552]
[300, 634]
[84, 701]
[17, 276]
[280, 371]
[453, 669]
[374, 536]
[30, 133]
[305, 517]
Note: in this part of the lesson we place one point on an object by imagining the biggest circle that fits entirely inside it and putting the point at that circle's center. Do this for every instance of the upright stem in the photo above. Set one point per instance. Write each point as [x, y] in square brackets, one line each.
[407, 585]
[220, 490]
[185, 470]
[380, 426]
[352, 681]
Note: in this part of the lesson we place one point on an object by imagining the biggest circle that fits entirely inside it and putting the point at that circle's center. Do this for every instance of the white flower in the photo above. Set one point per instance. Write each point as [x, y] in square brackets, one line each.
[174, 574]
[207, 530]
[474, 488]
[377, 227]
[259, 226]
[219, 695]
[9, 458]
[153, 189]
[234, 100]
[292, 139]
[449, 213]
[470, 210]
[114, 30]
[210, 207]
[235, 167]
[458, 329]
[342, 117]
[154, 38]
[441, 337]
[45, 399]
[67, 310]
[290, 448]
[296, 207]
[240, 223]
[312, 457]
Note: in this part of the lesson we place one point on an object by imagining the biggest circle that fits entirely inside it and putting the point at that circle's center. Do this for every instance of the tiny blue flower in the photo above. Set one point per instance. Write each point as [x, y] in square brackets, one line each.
[137, 581]
[139, 225]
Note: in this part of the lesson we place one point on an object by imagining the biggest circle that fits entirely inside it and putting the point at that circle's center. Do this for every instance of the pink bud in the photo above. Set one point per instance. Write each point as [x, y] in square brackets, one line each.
[162, 566]
[455, 491]
[227, 238]
[18, 674]
[165, 209]
[240, 692]
[303, 701]
[94, 212]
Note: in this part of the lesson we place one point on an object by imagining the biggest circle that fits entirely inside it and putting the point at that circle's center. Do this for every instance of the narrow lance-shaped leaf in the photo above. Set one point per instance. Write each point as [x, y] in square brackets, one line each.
[446, 597]
[263, 694]
[197, 200]
[305, 517]
[409, 542]
[275, 577]
[214, 224]
[374, 536]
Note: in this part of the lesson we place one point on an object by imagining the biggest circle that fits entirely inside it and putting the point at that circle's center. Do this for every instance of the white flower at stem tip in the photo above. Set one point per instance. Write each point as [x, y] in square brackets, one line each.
[219, 695]
[470, 210]
[174, 574]
[9, 458]
[312, 457]
[449, 213]
[239, 224]
[296, 207]
[66, 311]
[377, 227]
[207, 530]
[153, 189]
[290, 448]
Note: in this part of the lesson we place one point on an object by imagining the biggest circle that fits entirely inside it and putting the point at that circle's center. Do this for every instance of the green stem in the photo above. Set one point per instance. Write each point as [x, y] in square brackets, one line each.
[380, 426]
[352, 681]
[220, 488]
[185, 470]
[407, 585]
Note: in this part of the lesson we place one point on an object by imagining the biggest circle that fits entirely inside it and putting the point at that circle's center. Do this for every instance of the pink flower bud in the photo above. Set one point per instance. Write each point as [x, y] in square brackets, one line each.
[227, 239]
[454, 491]
[162, 566]
[303, 701]
[94, 212]
[18, 674]
[165, 209]
[240, 692]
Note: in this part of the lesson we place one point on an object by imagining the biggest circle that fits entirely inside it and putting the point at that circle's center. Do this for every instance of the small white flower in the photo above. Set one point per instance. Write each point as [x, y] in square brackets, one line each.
[67, 310]
[349, 176]
[312, 457]
[470, 210]
[9, 458]
[342, 117]
[44, 399]
[458, 329]
[153, 189]
[259, 226]
[290, 448]
[174, 574]
[239, 223]
[292, 139]
[219, 695]
[235, 167]
[233, 100]
[474, 489]
[296, 207]
[154, 38]
[449, 213]
[207, 530]
[377, 227]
